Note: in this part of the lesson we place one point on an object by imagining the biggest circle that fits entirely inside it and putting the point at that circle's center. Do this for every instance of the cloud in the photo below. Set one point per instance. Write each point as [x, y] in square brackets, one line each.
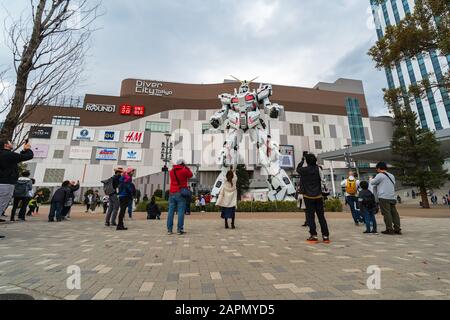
[287, 42]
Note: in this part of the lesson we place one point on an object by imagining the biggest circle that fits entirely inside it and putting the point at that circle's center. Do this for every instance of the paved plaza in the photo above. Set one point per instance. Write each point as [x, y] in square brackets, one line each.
[263, 259]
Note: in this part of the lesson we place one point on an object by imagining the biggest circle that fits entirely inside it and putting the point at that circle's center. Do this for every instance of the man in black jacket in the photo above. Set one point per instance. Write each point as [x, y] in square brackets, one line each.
[58, 200]
[74, 187]
[312, 180]
[9, 170]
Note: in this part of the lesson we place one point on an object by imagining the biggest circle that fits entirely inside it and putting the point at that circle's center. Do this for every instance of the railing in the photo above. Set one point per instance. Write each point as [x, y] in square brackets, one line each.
[65, 102]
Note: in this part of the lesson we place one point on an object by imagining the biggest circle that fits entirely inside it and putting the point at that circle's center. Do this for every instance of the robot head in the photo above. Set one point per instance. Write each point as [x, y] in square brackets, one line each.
[245, 87]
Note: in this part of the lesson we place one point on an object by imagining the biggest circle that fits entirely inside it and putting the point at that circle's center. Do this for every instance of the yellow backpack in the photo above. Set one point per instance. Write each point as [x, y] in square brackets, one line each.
[351, 188]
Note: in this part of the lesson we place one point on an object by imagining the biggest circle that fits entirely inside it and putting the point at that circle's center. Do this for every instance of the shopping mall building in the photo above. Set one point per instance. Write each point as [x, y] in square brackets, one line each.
[87, 140]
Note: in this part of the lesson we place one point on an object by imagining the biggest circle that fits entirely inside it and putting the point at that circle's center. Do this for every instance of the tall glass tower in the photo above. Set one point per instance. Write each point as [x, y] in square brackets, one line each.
[434, 110]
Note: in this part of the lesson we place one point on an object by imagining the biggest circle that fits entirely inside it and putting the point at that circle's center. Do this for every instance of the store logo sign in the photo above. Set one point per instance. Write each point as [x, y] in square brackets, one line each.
[107, 154]
[91, 107]
[131, 155]
[83, 134]
[134, 137]
[109, 136]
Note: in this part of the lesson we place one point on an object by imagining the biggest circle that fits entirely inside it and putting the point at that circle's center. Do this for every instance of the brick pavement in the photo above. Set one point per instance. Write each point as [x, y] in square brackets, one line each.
[263, 259]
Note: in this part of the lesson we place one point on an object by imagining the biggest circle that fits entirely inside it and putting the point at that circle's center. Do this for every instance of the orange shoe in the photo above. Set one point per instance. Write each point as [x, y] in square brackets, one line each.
[313, 240]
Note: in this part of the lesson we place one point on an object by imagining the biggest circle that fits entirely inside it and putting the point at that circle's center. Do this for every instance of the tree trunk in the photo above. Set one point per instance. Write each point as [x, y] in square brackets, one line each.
[424, 194]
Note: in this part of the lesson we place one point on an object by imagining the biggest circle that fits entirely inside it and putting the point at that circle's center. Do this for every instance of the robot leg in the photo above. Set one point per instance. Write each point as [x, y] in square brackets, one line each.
[280, 185]
[228, 158]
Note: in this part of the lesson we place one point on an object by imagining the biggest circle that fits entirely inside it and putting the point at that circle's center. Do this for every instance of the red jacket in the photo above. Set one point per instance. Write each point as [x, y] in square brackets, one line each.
[183, 174]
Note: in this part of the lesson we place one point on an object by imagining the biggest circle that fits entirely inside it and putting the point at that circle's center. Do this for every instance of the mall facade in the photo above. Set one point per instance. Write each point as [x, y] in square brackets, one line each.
[87, 141]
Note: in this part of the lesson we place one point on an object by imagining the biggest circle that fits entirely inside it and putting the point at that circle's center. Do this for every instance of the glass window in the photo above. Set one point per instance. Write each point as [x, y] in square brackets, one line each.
[318, 145]
[54, 175]
[333, 132]
[59, 154]
[62, 135]
[161, 127]
[315, 118]
[165, 115]
[297, 130]
[317, 131]
[66, 121]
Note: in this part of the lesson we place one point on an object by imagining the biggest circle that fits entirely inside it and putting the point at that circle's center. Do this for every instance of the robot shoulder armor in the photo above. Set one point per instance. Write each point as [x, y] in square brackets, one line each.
[265, 91]
[225, 98]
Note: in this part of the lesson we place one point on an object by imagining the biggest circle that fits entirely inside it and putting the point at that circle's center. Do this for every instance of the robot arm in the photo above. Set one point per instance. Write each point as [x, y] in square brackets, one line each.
[220, 117]
[272, 109]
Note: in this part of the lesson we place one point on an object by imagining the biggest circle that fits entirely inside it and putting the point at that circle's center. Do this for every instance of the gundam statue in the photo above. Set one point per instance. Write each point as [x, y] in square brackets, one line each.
[241, 114]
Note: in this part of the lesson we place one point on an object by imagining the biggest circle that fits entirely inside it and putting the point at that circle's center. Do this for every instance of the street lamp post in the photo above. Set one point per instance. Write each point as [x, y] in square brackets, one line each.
[349, 160]
[166, 157]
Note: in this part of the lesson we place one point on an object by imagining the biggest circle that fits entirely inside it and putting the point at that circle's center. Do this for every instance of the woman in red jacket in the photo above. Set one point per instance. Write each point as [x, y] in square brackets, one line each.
[179, 178]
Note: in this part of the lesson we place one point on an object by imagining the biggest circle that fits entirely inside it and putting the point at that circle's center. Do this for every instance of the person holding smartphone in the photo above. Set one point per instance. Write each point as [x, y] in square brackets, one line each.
[9, 170]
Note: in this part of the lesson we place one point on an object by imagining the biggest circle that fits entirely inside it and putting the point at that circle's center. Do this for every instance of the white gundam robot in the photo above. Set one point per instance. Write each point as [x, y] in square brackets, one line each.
[241, 114]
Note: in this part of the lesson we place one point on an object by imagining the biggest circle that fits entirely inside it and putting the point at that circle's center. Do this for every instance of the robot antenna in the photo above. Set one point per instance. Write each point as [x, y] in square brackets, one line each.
[236, 79]
[251, 81]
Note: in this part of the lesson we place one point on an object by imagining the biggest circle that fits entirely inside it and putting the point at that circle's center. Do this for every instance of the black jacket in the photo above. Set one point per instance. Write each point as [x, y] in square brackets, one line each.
[9, 171]
[311, 181]
[73, 189]
[153, 210]
[61, 195]
[116, 181]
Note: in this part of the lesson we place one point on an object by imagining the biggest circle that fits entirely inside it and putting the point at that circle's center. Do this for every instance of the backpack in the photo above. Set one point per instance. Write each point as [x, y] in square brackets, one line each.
[368, 200]
[21, 190]
[351, 188]
[108, 186]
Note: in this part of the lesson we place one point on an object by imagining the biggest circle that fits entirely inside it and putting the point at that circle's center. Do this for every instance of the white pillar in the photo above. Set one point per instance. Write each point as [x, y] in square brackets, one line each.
[332, 179]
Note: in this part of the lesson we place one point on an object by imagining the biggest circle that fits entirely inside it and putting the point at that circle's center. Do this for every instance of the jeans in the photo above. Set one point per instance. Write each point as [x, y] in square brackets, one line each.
[316, 207]
[6, 194]
[390, 214]
[55, 211]
[178, 203]
[113, 209]
[124, 202]
[352, 201]
[65, 212]
[370, 219]
[23, 207]
[130, 209]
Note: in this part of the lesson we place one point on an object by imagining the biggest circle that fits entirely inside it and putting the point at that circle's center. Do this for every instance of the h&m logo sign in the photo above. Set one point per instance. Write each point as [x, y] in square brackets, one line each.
[134, 137]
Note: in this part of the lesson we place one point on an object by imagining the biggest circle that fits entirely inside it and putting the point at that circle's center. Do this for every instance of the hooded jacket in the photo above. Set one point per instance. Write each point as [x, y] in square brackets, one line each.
[179, 178]
[9, 171]
[23, 188]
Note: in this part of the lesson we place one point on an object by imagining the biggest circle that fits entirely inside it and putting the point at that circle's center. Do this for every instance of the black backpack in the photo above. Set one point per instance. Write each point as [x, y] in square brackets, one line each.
[21, 190]
[368, 200]
[108, 186]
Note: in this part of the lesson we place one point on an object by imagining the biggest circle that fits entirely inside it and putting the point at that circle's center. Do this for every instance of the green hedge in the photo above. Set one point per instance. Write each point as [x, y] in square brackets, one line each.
[334, 205]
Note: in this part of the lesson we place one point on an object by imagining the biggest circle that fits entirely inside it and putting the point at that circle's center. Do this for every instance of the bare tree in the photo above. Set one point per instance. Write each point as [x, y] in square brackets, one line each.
[49, 46]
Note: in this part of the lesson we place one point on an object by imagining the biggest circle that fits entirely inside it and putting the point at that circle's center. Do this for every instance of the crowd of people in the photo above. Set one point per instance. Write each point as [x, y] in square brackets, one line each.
[364, 198]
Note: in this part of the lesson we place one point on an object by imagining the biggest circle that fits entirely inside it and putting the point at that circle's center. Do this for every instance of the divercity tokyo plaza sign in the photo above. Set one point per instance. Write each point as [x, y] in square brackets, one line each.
[152, 88]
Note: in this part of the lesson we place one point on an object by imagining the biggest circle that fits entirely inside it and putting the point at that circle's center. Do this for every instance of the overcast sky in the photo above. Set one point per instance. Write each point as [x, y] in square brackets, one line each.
[286, 42]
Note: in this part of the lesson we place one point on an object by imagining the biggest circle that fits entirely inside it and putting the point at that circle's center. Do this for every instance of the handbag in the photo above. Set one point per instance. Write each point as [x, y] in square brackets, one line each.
[185, 192]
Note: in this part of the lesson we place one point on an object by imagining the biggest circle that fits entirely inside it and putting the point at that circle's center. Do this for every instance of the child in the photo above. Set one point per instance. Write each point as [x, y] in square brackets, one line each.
[197, 204]
[153, 211]
[33, 206]
[368, 207]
